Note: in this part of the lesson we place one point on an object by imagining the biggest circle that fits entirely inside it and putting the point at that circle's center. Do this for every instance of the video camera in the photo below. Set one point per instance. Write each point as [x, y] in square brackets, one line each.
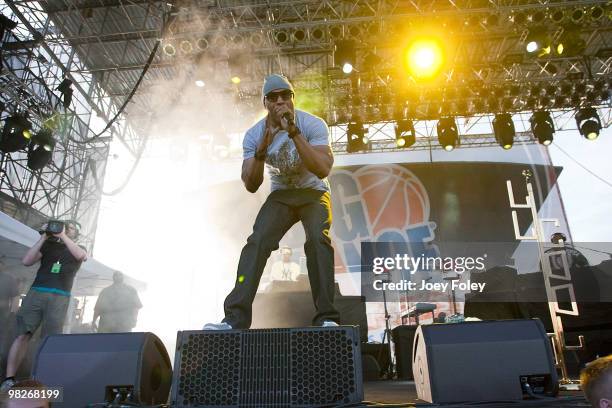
[54, 227]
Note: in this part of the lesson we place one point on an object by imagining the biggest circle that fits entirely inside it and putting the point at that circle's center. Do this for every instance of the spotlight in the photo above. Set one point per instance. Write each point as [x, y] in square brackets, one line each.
[44, 138]
[38, 158]
[503, 127]
[169, 50]
[344, 55]
[577, 15]
[186, 47]
[15, 134]
[448, 135]
[199, 83]
[424, 58]
[357, 140]
[557, 16]
[570, 43]
[596, 13]
[41, 149]
[202, 44]
[542, 127]
[371, 62]
[65, 87]
[588, 123]
[537, 43]
[405, 135]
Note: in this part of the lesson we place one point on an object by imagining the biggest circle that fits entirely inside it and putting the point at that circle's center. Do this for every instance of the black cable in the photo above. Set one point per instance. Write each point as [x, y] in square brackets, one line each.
[165, 26]
[127, 100]
[583, 166]
[94, 173]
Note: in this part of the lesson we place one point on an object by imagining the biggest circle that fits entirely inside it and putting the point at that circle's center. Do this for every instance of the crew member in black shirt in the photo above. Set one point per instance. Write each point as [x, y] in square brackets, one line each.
[47, 300]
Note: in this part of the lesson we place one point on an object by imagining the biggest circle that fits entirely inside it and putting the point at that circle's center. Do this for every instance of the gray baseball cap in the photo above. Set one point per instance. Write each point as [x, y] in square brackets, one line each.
[275, 81]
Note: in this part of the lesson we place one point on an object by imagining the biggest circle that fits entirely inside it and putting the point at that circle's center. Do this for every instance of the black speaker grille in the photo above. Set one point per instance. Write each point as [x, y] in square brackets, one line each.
[268, 368]
[323, 368]
[207, 377]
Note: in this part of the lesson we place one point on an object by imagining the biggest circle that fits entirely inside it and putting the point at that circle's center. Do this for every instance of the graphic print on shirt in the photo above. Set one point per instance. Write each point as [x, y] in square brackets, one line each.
[285, 163]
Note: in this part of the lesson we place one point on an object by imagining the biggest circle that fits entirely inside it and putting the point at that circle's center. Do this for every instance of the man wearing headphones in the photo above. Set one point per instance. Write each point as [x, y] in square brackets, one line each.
[47, 300]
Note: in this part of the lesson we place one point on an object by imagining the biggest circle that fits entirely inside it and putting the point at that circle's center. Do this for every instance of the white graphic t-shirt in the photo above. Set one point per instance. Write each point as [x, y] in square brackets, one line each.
[283, 162]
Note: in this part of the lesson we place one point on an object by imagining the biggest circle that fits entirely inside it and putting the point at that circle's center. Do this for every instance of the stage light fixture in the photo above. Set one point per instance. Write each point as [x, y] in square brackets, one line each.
[199, 83]
[41, 148]
[588, 123]
[16, 133]
[596, 13]
[44, 138]
[448, 135]
[344, 55]
[577, 14]
[65, 87]
[570, 43]
[169, 50]
[537, 43]
[371, 61]
[542, 127]
[186, 47]
[356, 135]
[424, 58]
[38, 158]
[557, 16]
[503, 128]
[202, 44]
[405, 135]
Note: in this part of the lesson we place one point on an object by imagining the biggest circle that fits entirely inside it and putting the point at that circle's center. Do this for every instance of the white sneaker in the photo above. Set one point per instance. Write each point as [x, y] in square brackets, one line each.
[329, 323]
[217, 326]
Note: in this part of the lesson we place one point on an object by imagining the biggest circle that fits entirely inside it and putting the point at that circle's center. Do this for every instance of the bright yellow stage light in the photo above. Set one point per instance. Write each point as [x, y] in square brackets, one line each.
[424, 58]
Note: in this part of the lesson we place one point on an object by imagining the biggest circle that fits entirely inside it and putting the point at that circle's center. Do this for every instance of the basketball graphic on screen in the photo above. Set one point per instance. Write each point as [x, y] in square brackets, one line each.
[393, 197]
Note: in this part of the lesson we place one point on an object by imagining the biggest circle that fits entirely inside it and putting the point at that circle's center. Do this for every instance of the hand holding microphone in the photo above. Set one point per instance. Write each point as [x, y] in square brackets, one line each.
[288, 116]
[288, 124]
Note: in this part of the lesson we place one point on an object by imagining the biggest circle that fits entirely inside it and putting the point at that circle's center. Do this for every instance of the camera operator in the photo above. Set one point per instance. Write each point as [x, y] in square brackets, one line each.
[47, 300]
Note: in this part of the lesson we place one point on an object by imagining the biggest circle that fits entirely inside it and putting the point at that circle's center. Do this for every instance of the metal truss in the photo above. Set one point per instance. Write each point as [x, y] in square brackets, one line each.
[114, 38]
[32, 69]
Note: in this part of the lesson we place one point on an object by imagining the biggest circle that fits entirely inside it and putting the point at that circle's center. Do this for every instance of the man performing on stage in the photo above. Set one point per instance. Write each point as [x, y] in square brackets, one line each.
[295, 147]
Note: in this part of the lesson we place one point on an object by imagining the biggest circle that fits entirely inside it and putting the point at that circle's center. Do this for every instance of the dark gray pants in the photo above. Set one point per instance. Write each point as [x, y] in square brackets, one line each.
[282, 209]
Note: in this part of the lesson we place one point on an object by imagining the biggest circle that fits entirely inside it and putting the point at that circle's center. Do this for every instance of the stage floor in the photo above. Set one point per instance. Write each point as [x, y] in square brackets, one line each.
[404, 393]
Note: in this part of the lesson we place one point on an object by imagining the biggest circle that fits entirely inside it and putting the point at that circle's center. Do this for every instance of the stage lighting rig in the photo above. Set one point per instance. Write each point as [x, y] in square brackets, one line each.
[344, 55]
[588, 123]
[357, 140]
[16, 133]
[542, 127]
[405, 135]
[503, 128]
[448, 135]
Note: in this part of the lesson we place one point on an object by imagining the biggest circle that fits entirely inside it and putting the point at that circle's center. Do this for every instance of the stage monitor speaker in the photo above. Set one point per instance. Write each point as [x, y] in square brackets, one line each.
[301, 367]
[91, 368]
[482, 361]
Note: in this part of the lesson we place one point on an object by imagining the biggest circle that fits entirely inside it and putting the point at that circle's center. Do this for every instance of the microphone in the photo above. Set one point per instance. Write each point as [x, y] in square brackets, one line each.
[289, 118]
